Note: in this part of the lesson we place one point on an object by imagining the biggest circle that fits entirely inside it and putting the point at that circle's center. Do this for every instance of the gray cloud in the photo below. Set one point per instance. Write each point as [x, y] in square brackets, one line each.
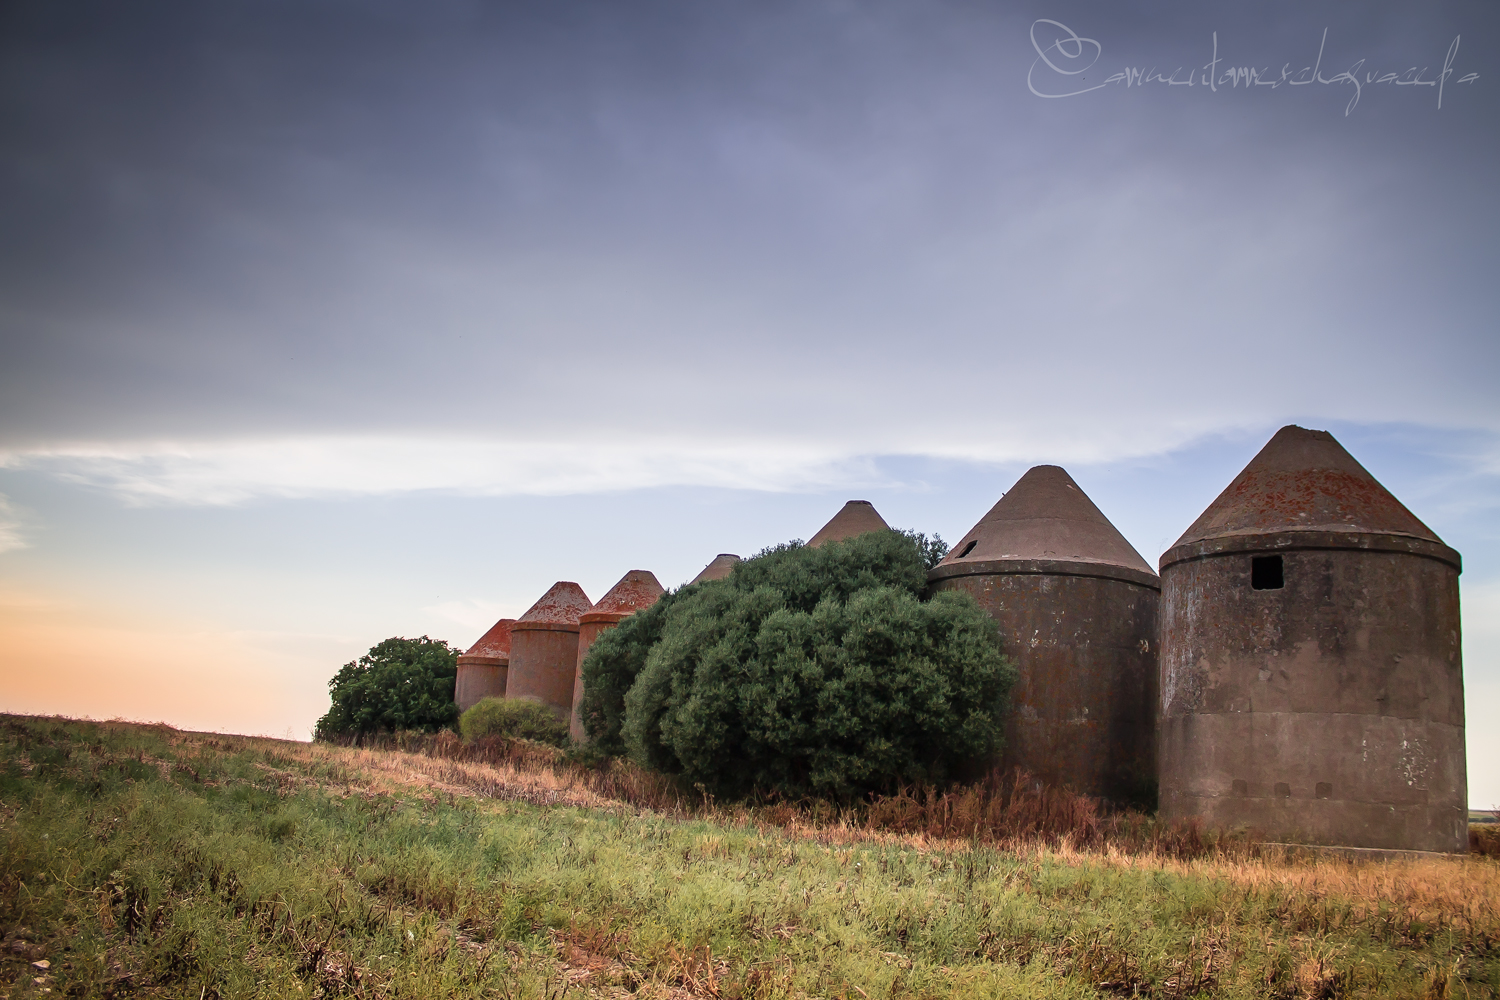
[825, 221]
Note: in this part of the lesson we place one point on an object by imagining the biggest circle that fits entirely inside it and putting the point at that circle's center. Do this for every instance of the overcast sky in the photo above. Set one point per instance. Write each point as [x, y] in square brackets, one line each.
[323, 322]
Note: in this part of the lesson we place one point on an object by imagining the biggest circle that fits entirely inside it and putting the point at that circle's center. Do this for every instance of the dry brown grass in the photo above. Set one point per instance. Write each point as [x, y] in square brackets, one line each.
[1009, 811]
[1013, 808]
[1415, 897]
[1412, 898]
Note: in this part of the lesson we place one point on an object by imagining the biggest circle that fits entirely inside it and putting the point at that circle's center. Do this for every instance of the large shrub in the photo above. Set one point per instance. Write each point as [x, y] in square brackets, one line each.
[806, 671]
[399, 684]
[801, 574]
[611, 666]
[513, 718]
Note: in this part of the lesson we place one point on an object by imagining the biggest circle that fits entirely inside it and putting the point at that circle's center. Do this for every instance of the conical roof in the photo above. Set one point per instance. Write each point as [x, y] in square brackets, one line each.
[562, 605]
[856, 518]
[1304, 480]
[722, 566]
[636, 590]
[494, 644]
[1045, 523]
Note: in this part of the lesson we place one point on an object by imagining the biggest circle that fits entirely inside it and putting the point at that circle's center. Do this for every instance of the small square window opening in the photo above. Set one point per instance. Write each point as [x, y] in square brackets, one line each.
[1266, 573]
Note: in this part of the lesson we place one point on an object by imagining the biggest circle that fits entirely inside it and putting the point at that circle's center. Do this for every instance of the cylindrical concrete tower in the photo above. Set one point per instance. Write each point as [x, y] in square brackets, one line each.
[636, 590]
[482, 669]
[1076, 606]
[1311, 679]
[855, 518]
[544, 648]
[722, 566]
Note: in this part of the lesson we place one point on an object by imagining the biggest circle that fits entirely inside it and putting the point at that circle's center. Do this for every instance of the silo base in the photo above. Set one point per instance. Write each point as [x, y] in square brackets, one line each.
[1330, 779]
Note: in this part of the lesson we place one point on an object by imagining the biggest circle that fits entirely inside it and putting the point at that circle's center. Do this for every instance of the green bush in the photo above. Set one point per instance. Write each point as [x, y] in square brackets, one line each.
[611, 667]
[804, 575]
[807, 672]
[513, 718]
[399, 684]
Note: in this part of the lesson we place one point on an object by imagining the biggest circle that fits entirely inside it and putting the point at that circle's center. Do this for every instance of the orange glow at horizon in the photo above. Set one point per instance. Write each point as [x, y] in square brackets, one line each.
[57, 658]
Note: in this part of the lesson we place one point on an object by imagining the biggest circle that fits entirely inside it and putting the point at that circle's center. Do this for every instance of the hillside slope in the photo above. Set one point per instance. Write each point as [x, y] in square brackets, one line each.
[139, 860]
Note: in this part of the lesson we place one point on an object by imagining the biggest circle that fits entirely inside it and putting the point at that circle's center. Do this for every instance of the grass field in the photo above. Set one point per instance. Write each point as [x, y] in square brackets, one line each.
[143, 861]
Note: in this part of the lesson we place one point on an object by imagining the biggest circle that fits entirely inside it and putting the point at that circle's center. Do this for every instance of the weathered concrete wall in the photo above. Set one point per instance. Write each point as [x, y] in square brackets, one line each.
[543, 658]
[478, 679]
[1328, 711]
[1085, 648]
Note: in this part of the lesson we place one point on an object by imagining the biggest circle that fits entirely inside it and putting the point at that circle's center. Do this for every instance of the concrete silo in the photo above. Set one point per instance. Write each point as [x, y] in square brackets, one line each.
[1311, 677]
[482, 668]
[855, 518]
[636, 591]
[722, 566]
[544, 648]
[1077, 611]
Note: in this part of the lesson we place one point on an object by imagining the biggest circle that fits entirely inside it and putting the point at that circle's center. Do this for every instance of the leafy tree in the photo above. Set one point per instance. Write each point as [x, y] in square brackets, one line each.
[808, 671]
[933, 549]
[399, 684]
[805, 576]
[611, 666]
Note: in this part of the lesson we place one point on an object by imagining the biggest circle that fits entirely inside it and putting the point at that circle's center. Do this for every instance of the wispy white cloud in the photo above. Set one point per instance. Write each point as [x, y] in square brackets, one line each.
[221, 473]
[236, 471]
[10, 527]
[232, 472]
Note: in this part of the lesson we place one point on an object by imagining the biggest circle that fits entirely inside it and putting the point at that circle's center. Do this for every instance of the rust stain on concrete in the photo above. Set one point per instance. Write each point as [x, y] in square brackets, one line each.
[563, 604]
[1304, 480]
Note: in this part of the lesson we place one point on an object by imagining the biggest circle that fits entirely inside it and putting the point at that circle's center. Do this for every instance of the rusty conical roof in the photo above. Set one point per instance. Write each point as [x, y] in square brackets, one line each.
[636, 590]
[562, 605]
[1304, 489]
[722, 566]
[1045, 523]
[494, 644]
[856, 518]
[1304, 480]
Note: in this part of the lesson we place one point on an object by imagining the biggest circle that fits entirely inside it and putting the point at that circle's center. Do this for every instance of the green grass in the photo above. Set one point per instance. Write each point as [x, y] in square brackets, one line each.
[141, 861]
